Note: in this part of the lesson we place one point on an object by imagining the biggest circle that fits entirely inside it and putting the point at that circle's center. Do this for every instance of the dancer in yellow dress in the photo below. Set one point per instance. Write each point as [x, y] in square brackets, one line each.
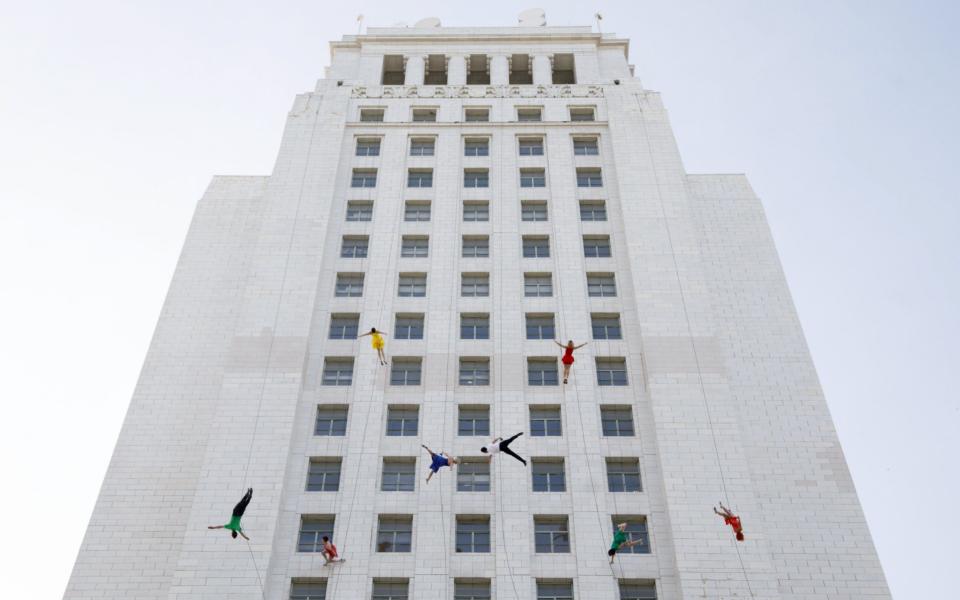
[376, 340]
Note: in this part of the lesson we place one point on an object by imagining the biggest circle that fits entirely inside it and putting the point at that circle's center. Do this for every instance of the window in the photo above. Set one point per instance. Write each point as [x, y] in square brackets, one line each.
[476, 211]
[307, 589]
[623, 475]
[537, 285]
[337, 371]
[473, 475]
[551, 534]
[406, 371]
[421, 147]
[359, 211]
[606, 327]
[473, 420]
[601, 285]
[536, 246]
[478, 70]
[473, 533]
[323, 475]
[530, 115]
[545, 421]
[354, 246]
[554, 590]
[476, 246]
[312, 530]
[636, 530]
[589, 178]
[390, 589]
[420, 178]
[540, 327]
[471, 589]
[394, 533]
[532, 178]
[476, 147]
[476, 178]
[548, 475]
[402, 421]
[586, 147]
[542, 371]
[531, 146]
[585, 113]
[631, 589]
[474, 371]
[368, 147]
[476, 115]
[424, 115]
[533, 211]
[416, 211]
[371, 115]
[475, 285]
[412, 285]
[393, 69]
[398, 475]
[611, 371]
[408, 327]
[593, 210]
[596, 246]
[436, 70]
[344, 327]
[364, 178]
[331, 420]
[563, 69]
[349, 285]
[616, 421]
[414, 246]
[474, 327]
[520, 69]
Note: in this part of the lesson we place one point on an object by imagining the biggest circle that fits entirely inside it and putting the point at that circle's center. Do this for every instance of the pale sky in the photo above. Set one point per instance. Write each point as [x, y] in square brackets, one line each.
[114, 116]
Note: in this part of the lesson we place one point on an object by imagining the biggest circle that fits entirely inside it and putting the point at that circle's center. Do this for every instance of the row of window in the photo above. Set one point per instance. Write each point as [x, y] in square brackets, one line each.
[476, 326]
[403, 420]
[473, 371]
[476, 285]
[587, 177]
[395, 533]
[473, 474]
[476, 210]
[477, 69]
[477, 114]
[473, 246]
[471, 589]
[479, 146]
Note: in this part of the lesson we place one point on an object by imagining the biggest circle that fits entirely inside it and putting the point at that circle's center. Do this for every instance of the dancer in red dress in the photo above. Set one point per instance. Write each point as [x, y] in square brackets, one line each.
[732, 520]
[567, 359]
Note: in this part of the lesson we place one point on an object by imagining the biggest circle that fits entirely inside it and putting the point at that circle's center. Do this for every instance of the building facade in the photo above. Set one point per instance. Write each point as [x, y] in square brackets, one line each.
[476, 193]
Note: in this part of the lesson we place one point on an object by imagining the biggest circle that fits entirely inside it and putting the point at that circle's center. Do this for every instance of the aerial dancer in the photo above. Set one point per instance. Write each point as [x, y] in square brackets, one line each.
[330, 552]
[730, 519]
[234, 524]
[621, 540]
[567, 359]
[502, 445]
[376, 340]
[438, 460]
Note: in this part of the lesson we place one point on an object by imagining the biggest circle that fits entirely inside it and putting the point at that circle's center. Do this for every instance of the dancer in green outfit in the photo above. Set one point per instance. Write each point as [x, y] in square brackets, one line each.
[621, 540]
[234, 524]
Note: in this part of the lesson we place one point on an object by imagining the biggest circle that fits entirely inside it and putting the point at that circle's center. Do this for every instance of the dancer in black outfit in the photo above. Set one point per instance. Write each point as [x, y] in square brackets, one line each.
[503, 446]
[234, 524]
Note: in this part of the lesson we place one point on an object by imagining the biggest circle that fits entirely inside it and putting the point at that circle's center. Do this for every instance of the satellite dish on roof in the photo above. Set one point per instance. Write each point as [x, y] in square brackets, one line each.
[427, 23]
[532, 17]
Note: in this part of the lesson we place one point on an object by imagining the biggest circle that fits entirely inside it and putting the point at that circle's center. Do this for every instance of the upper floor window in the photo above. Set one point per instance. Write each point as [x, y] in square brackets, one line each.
[476, 211]
[589, 178]
[323, 474]
[633, 589]
[424, 115]
[521, 69]
[390, 589]
[476, 246]
[414, 246]
[371, 115]
[475, 285]
[435, 70]
[536, 246]
[406, 371]
[359, 211]
[354, 246]
[471, 589]
[476, 147]
[349, 285]
[586, 146]
[537, 285]
[368, 147]
[542, 371]
[475, 327]
[476, 115]
[478, 70]
[636, 531]
[394, 533]
[554, 589]
[344, 327]
[532, 178]
[408, 327]
[530, 114]
[312, 530]
[533, 210]
[420, 178]
[398, 475]
[476, 178]
[475, 371]
[601, 285]
[473, 535]
[551, 534]
[416, 211]
[531, 146]
[308, 589]
[337, 371]
[331, 420]
[564, 69]
[582, 113]
[611, 371]
[545, 421]
[473, 475]
[421, 147]
[402, 421]
[474, 420]
[393, 69]
[540, 327]
[412, 285]
[548, 475]
[623, 475]
[616, 421]
[596, 246]
[364, 178]
[593, 210]
[606, 327]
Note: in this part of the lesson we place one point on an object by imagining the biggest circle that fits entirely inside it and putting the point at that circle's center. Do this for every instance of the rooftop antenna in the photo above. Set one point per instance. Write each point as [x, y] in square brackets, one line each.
[427, 23]
[359, 23]
[599, 18]
[532, 17]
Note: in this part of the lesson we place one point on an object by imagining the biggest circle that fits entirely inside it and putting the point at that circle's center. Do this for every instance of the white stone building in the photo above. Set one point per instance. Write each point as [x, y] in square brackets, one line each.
[476, 193]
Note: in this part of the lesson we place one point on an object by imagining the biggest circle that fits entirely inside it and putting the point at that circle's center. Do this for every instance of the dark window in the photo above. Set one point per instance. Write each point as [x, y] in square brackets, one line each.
[520, 69]
[476, 115]
[393, 69]
[474, 371]
[476, 211]
[473, 420]
[532, 178]
[473, 475]
[548, 475]
[425, 115]
[475, 327]
[478, 70]
[540, 327]
[349, 285]
[582, 114]
[616, 421]
[414, 246]
[306, 589]
[637, 590]
[364, 178]
[529, 115]
[359, 211]
[435, 70]
[416, 211]
[354, 247]
[420, 178]
[337, 371]
[552, 535]
[545, 421]
[406, 371]
[475, 286]
[611, 371]
[473, 534]
[476, 246]
[408, 327]
[596, 246]
[554, 590]
[323, 475]
[331, 420]
[537, 285]
[368, 147]
[589, 178]
[471, 589]
[533, 211]
[390, 589]
[421, 147]
[394, 533]
[536, 246]
[402, 421]
[636, 530]
[623, 475]
[344, 327]
[593, 210]
[476, 147]
[398, 475]
[371, 115]
[564, 69]
[412, 285]
[542, 371]
[476, 178]
[601, 285]
[586, 147]
[531, 146]
[312, 530]
[606, 327]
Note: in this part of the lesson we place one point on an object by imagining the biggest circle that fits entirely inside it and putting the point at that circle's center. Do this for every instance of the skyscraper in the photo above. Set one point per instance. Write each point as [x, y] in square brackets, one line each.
[476, 194]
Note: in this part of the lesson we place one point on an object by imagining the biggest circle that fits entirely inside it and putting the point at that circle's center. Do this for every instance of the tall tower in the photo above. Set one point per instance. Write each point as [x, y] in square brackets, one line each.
[476, 193]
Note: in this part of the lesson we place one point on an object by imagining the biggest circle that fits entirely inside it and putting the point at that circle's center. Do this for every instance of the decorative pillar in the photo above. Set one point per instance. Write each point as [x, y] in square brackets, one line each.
[499, 70]
[416, 66]
[457, 70]
[542, 70]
